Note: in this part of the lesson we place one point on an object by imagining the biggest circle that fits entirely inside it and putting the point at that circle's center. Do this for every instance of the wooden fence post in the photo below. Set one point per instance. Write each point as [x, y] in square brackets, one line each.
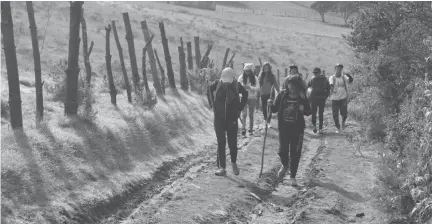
[231, 59]
[37, 64]
[286, 72]
[11, 65]
[278, 77]
[162, 71]
[189, 56]
[225, 58]
[132, 56]
[86, 55]
[72, 71]
[120, 50]
[113, 90]
[170, 72]
[144, 68]
[197, 52]
[155, 77]
[204, 60]
[183, 77]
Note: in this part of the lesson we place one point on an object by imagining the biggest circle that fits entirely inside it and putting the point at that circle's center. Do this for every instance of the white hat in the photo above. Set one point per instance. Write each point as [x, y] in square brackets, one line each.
[227, 75]
[248, 66]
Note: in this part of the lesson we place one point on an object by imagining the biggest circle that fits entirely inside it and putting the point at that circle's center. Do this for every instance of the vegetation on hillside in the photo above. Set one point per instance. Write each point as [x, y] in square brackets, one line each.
[392, 41]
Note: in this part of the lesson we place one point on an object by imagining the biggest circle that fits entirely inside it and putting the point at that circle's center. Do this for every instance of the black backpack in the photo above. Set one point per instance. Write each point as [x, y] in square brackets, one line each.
[231, 98]
[319, 87]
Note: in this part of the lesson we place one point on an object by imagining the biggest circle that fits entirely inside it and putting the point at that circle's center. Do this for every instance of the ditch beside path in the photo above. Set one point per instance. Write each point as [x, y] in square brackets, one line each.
[336, 185]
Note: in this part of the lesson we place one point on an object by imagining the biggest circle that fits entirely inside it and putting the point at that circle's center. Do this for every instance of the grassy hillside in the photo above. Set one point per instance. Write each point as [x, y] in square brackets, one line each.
[67, 162]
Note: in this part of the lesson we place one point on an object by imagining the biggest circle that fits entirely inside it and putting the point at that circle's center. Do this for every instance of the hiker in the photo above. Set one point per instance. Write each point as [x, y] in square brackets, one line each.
[257, 72]
[293, 70]
[291, 106]
[266, 80]
[320, 90]
[339, 95]
[249, 82]
[227, 107]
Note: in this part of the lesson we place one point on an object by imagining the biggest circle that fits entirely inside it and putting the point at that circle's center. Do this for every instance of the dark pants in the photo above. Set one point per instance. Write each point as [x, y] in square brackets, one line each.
[290, 146]
[318, 105]
[342, 107]
[230, 128]
[264, 99]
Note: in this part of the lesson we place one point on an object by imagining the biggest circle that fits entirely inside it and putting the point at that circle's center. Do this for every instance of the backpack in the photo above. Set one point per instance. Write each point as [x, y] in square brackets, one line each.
[318, 88]
[290, 110]
[343, 78]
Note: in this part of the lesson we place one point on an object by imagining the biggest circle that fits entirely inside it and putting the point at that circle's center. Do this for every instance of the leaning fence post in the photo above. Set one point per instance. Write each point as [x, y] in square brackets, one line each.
[123, 67]
[113, 90]
[162, 71]
[286, 72]
[170, 72]
[225, 58]
[197, 52]
[190, 57]
[183, 77]
[155, 77]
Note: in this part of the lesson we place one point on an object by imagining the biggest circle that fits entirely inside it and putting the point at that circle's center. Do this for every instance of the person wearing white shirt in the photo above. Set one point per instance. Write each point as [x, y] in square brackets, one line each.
[250, 83]
[339, 95]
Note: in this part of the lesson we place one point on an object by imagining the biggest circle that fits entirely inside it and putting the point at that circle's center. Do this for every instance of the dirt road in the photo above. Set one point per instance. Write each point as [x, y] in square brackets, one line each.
[336, 185]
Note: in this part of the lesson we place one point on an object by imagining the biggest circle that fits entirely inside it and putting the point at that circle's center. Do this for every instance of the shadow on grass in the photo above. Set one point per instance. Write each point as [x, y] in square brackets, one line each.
[35, 190]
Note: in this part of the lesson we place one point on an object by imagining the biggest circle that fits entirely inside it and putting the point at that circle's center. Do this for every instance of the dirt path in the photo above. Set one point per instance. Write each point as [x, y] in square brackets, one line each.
[335, 186]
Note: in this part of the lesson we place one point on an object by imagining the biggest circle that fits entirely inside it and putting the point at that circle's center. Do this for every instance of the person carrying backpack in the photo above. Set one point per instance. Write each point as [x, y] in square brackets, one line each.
[339, 95]
[227, 107]
[320, 90]
[266, 80]
[291, 106]
[293, 70]
[249, 81]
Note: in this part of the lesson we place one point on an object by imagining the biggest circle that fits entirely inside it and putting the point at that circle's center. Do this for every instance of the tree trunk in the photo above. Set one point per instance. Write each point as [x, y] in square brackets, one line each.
[132, 56]
[183, 77]
[189, 52]
[120, 50]
[322, 16]
[86, 55]
[72, 71]
[113, 90]
[162, 71]
[225, 58]
[37, 64]
[144, 73]
[170, 72]
[197, 52]
[155, 77]
[11, 66]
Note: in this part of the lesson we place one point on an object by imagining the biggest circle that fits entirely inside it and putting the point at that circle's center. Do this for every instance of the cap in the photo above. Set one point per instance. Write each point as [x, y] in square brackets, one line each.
[248, 66]
[339, 65]
[316, 70]
[293, 66]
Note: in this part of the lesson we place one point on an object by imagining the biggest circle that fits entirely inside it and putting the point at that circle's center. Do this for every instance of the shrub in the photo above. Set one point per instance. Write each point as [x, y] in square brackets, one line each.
[198, 79]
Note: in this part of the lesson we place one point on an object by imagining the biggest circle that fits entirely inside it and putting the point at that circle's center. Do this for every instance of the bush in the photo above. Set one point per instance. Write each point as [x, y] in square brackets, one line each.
[198, 79]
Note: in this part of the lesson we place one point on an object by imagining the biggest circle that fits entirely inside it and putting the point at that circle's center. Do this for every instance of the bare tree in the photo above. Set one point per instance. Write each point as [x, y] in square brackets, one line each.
[132, 56]
[113, 90]
[86, 55]
[11, 65]
[170, 72]
[37, 64]
[72, 71]
[120, 50]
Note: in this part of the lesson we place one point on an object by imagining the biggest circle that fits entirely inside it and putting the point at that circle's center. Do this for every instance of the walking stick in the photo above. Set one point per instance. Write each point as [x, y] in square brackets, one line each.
[269, 114]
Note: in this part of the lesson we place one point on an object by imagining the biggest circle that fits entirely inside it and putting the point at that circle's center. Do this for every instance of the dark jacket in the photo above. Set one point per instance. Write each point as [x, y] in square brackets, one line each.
[233, 108]
[277, 107]
[321, 81]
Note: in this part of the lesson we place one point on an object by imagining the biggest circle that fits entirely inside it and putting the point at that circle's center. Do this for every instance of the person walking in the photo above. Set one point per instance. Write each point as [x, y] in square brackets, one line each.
[291, 107]
[293, 70]
[339, 95]
[249, 81]
[320, 90]
[227, 107]
[266, 80]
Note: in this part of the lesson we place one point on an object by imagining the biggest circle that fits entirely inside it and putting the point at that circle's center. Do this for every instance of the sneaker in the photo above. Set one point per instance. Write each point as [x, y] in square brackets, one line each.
[220, 172]
[235, 168]
[293, 182]
[315, 130]
[282, 172]
[243, 132]
[343, 125]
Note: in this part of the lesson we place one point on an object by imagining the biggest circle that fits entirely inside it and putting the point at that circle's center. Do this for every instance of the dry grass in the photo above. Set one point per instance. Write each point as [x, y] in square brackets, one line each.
[67, 161]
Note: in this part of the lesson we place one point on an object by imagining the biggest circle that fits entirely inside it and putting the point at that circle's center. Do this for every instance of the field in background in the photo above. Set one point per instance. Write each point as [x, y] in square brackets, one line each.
[74, 160]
